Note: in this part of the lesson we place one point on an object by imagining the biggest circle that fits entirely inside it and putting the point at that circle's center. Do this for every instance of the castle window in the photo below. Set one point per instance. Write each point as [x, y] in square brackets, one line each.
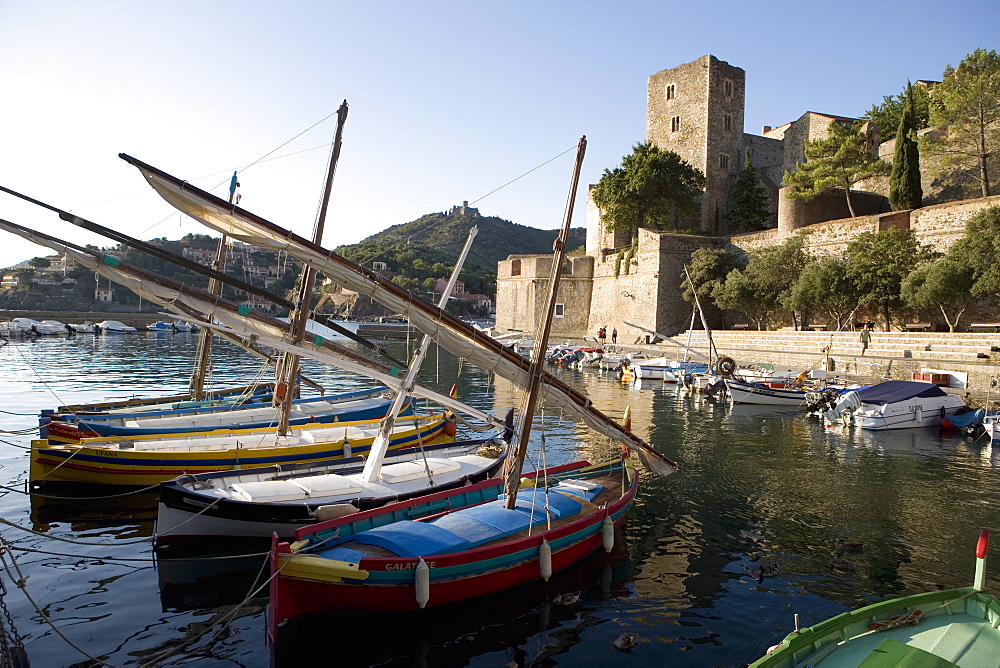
[671, 91]
[560, 311]
[728, 87]
[727, 121]
[515, 267]
[675, 123]
[724, 161]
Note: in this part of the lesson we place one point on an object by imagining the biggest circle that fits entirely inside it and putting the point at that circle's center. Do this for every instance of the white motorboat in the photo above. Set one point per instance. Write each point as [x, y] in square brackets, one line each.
[171, 326]
[29, 326]
[895, 404]
[115, 327]
[82, 328]
[657, 368]
[774, 393]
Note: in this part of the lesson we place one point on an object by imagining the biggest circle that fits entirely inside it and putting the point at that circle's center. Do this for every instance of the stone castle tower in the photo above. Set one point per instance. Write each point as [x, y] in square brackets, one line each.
[696, 111]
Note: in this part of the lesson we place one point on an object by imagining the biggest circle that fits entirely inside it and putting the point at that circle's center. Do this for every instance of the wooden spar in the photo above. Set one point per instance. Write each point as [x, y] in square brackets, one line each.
[373, 464]
[536, 368]
[712, 352]
[289, 368]
[198, 268]
[197, 384]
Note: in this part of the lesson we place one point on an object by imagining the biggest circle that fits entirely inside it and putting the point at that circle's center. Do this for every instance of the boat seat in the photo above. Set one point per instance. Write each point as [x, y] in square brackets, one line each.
[405, 471]
[581, 488]
[273, 491]
[508, 521]
[410, 538]
[894, 654]
[557, 501]
[471, 529]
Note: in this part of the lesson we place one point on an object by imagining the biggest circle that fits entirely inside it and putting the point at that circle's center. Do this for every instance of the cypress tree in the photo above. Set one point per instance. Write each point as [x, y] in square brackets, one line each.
[904, 182]
[750, 211]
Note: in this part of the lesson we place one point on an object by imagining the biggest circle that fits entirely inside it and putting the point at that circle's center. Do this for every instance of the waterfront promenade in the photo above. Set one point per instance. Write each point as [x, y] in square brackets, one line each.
[971, 358]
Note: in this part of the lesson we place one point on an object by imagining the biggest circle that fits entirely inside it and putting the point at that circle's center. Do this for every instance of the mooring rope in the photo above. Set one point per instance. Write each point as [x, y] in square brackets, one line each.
[913, 616]
[20, 580]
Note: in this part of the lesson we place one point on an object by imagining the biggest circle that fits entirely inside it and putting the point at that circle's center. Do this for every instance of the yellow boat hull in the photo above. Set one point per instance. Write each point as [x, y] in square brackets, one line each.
[140, 462]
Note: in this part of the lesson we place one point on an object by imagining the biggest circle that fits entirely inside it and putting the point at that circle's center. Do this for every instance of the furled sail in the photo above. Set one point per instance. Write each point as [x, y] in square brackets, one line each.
[459, 338]
[246, 327]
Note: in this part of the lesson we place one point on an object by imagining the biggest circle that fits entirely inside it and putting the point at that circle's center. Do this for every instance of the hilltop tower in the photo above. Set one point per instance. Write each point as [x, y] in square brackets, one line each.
[696, 111]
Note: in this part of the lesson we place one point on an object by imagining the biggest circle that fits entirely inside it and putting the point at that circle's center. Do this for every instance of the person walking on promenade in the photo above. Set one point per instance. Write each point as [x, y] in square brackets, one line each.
[601, 335]
[614, 335]
[866, 338]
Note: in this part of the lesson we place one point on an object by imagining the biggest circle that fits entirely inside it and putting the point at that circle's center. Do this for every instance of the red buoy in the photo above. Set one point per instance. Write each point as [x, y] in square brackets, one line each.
[983, 544]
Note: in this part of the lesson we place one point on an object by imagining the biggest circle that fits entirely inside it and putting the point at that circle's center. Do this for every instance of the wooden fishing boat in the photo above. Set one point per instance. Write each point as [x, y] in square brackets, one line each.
[149, 460]
[249, 506]
[346, 407]
[381, 560]
[953, 627]
[767, 393]
[257, 504]
[232, 396]
[461, 545]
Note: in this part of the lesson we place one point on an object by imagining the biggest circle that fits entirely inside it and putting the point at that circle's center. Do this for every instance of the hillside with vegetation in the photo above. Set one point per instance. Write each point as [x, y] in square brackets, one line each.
[416, 254]
[413, 254]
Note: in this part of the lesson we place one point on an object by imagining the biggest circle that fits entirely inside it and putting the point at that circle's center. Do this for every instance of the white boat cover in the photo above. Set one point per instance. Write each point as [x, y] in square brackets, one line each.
[459, 338]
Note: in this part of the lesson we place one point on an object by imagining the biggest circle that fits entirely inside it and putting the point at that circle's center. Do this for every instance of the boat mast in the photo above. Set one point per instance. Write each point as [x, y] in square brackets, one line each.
[197, 384]
[373, 465]
[535, 369]
[712, 351]
[288, 369]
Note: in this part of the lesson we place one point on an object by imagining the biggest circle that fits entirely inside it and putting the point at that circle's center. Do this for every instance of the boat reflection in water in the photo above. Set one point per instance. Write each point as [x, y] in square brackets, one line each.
[124, 516]
[211, 580]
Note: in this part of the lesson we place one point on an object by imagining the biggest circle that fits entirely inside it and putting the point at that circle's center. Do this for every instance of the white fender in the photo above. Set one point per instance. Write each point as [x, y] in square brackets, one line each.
[608, 533]
[545, 560]
[347, 448]
[918, 413]
[422, 582]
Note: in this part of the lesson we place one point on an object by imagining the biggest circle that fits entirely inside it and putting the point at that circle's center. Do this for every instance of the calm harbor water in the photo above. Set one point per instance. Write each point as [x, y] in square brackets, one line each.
[832, 519]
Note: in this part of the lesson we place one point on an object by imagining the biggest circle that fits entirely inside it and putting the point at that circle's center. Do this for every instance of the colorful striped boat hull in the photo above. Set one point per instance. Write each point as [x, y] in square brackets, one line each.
[105, 461]
[304, 584]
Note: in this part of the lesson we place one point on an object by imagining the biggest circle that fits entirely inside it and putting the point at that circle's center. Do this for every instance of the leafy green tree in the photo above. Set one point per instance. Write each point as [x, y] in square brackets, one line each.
[879, 261]
[837, 162]
[741, 292]
[750, 210]
[824, 287]
[979, 250]
[708, 268]
[967, 102]
[888, 114]
[945, 284]
[39, 262]
[904, 182]
[762, 289]
[651, 188]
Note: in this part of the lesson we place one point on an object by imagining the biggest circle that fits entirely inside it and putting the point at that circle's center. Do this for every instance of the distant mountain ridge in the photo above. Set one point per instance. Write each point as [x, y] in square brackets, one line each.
[445, 233]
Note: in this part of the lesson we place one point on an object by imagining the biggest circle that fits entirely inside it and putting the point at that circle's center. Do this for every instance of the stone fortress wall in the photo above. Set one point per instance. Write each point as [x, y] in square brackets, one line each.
[696, 110]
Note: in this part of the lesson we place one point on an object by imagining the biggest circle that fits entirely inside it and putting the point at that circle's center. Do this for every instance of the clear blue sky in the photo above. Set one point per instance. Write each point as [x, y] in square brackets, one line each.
[449, 100]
